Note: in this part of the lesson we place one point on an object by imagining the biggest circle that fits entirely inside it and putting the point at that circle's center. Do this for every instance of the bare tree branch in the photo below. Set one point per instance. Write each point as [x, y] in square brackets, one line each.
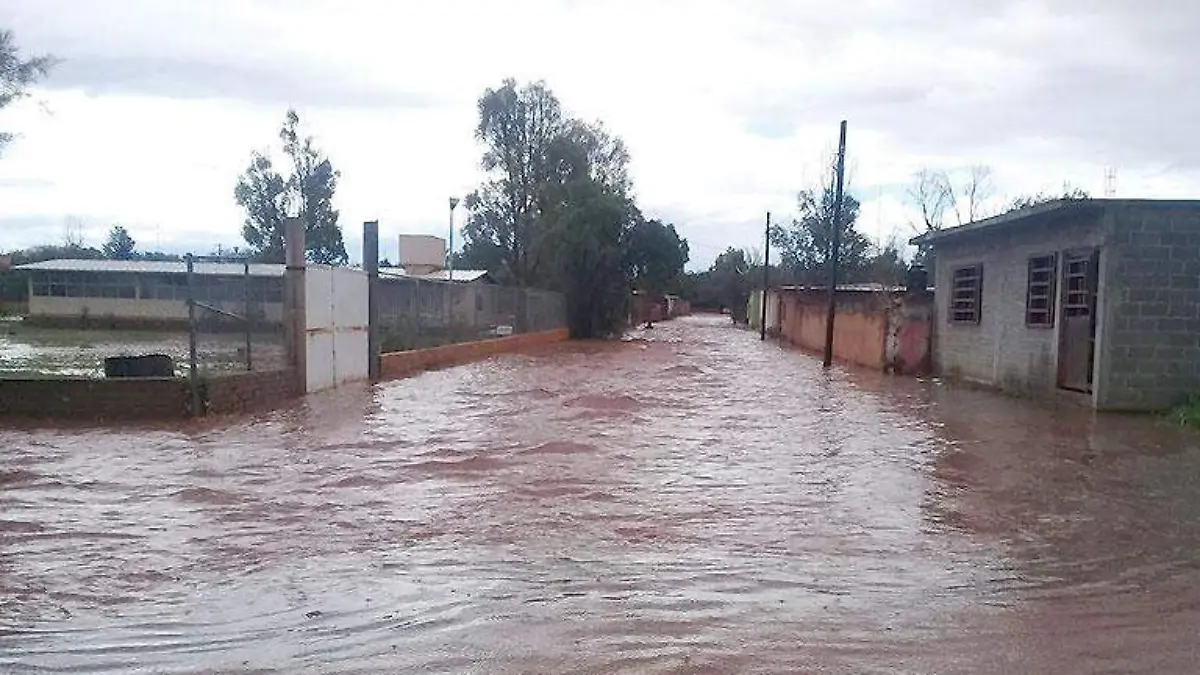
[979, 190]
[930, 194]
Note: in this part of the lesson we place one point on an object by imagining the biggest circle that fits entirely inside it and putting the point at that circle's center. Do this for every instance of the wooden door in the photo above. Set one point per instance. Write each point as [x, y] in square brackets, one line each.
[1077, 332]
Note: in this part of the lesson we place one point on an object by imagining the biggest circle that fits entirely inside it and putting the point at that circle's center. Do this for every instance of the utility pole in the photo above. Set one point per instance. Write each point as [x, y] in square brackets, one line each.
[193, 375]
[766, 279]
[450, 252]
[834, 249]
[371, 267]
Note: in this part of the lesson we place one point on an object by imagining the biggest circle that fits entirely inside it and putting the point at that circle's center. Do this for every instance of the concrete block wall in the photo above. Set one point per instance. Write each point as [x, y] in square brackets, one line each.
[142, 399]
[95, 400]
[1001, 350]
[397, 365]
[1150, 351]
[244, 392]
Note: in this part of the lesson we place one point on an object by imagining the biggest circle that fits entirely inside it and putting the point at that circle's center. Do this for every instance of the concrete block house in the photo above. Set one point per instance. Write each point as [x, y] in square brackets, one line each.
[1096, 299]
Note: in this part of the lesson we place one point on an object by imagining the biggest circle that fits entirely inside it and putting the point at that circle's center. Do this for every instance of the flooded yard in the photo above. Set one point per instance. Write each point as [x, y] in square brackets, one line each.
[30, 351]
[691, 501]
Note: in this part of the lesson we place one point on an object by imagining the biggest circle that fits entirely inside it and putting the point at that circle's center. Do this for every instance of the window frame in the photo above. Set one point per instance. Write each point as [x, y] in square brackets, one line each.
[1047, 290]
[976, 311]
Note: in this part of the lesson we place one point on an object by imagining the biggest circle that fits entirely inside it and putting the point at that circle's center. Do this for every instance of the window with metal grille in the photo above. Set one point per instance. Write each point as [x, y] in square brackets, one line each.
[966, 294]
[1039, 298]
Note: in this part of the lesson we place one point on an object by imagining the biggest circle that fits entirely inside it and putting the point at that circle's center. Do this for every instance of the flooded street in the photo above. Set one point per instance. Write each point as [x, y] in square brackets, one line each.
[694, 501]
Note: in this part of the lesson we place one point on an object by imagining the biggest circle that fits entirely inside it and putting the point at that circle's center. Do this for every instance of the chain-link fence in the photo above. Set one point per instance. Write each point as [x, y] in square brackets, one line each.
[96, 319]
[236, 315]
[419, 313]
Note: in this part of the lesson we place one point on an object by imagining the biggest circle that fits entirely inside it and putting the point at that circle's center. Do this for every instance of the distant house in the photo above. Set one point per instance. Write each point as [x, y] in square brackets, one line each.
[138, 293]
[1099, 297]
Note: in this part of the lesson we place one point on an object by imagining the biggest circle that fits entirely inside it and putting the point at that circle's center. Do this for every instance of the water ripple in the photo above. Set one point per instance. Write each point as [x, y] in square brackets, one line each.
[692, 500]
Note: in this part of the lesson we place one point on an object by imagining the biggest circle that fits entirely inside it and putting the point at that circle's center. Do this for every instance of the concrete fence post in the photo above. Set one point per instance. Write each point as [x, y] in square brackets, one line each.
[371, 266]
[295, 319]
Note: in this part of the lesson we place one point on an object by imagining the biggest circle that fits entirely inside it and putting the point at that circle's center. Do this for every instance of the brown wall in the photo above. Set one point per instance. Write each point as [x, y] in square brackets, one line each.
[144, 398]
[646, 308]
[100, 400]
[874, 329]
[243, 392]
[402, 364]
[859, 330]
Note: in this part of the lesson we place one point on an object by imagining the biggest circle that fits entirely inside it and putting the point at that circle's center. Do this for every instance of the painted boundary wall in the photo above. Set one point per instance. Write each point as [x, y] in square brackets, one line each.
[143, 398]
[883, 330]
[397, 365]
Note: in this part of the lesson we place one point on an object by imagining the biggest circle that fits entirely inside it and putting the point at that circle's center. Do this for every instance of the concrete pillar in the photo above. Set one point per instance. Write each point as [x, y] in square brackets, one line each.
[295, 316]
[371, 266]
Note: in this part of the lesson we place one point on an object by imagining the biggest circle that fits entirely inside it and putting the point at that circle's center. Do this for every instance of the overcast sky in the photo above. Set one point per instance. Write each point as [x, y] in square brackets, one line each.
[728, 107]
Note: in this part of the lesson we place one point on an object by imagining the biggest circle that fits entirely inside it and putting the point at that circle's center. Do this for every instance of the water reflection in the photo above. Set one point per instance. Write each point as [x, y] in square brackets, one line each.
[691, 500]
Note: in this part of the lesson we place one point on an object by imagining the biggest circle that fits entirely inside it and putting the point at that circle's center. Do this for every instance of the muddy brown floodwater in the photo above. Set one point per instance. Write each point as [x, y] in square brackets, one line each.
[697, 502]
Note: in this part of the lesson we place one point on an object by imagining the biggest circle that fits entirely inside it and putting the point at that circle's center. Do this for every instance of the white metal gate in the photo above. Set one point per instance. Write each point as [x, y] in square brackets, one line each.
[336, 326]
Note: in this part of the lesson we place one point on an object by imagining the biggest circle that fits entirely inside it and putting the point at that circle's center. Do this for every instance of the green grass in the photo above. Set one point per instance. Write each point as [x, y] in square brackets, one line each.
[1187, 414]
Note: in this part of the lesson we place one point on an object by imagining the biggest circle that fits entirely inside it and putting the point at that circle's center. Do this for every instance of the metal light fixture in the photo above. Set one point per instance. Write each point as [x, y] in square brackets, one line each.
[450, 248]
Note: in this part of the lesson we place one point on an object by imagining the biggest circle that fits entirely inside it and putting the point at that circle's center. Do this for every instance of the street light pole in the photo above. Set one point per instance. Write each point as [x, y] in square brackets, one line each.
[450, 252]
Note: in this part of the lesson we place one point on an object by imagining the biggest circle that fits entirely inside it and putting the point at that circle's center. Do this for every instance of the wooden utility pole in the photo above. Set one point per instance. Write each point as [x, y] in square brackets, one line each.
[835, 246]
[766, 280]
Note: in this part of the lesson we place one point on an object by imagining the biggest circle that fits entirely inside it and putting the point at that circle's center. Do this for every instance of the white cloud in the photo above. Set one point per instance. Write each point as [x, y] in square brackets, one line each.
[728, 107]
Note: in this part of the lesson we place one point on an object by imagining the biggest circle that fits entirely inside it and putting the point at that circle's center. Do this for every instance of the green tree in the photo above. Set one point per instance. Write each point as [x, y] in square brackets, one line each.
[583, 235]
[312, 185]
[589, 232]
[554, 210]
[517, 126]
[730, 277]
[805, 247]
[267, 196]
[263, 193]
[656, 256]
[17, 74]
[885, 265]
[119, 245]
[55, 252]
[1069, 193]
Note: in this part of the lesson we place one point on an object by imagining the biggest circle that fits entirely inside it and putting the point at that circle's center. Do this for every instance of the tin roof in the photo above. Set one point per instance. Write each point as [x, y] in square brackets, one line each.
[464, 276]
[847, 288]
[217, 269]
[154, 267]
[1045, 213]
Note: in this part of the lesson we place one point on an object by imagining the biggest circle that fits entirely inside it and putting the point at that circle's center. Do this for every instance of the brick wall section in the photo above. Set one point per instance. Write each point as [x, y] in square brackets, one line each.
[403, 364]
[882, 330]
[909, 337]
[98, 400]
[1000, 350]
[244, 392]
[859, 330]
[1150, 350]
